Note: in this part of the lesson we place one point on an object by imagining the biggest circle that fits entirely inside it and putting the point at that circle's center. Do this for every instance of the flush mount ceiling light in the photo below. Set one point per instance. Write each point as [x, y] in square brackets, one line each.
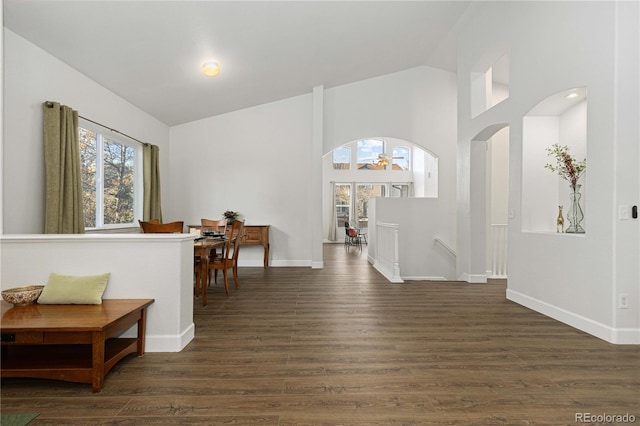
[211, 68]
[573, 94]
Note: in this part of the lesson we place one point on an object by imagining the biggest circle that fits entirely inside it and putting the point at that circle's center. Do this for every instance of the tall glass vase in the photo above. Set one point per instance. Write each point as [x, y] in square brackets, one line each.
[575, 214]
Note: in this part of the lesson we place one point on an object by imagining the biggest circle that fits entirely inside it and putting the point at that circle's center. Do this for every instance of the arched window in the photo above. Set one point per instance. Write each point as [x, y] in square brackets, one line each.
[400, 156]
[342, 158]
[382, 167]
[368, 153]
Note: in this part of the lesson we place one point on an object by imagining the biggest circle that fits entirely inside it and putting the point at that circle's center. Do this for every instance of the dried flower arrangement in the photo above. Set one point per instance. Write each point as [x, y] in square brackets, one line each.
[566, 166]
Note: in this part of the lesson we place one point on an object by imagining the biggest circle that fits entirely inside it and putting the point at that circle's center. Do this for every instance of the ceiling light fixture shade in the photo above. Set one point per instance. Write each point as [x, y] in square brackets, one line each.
[211, 68]
[574, 93]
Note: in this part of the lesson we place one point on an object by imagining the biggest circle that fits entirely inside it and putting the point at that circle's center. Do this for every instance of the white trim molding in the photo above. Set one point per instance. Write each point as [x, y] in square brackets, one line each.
[620, 336]
[473, 278]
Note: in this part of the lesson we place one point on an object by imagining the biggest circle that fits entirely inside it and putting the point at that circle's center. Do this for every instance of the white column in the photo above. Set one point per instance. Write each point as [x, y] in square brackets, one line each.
[315, 189]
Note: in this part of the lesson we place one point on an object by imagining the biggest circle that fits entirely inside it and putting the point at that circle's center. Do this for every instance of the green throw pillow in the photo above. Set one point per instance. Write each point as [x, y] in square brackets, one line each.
[75, 290]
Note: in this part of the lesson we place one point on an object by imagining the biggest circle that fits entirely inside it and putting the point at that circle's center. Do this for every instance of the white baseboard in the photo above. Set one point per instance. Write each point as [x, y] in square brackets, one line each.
[629, 336]
[169, 343]
[473, 278]
[388, 275]
[424, 278]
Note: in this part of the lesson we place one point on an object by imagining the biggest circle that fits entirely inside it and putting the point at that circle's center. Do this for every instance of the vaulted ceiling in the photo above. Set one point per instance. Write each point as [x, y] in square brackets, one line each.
[151, 52]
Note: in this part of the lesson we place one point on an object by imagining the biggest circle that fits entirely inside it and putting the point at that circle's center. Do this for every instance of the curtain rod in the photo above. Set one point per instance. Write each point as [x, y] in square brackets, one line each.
[50, 105]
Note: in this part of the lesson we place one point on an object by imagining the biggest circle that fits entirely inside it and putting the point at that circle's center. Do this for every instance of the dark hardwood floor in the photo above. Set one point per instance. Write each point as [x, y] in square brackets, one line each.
[341, 345]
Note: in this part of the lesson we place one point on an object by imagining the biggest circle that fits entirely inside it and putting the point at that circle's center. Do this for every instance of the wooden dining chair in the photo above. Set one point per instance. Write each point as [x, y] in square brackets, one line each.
[161, 228]
[219, 226]
[215, 225]
[228, 259]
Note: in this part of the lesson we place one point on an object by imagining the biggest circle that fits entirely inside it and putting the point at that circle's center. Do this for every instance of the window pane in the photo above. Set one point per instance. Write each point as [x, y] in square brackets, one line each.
[88, 144]
[400, 158]
[118, 182]
[363, 193]
[342, 158]
[368, 154]
[342, 203]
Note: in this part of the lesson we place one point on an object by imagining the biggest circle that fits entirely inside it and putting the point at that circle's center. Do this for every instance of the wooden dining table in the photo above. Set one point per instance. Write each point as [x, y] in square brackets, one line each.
[202, 248]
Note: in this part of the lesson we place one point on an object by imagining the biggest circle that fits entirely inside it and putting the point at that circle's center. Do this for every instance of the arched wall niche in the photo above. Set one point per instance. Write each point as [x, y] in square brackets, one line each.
[560, 118]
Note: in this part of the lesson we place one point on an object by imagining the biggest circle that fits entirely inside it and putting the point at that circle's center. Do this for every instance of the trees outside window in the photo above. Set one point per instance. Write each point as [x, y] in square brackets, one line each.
[110, 173]
[342, 203]
[363, 193]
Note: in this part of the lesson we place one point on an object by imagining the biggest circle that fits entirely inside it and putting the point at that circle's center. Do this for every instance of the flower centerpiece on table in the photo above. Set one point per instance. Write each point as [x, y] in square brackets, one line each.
[230, 215]
[566, 166]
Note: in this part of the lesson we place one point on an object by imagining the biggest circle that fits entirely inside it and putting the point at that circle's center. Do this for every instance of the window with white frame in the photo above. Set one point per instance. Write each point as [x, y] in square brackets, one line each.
[369, 152]
[400, 158]
[342, 158]
[111, 170]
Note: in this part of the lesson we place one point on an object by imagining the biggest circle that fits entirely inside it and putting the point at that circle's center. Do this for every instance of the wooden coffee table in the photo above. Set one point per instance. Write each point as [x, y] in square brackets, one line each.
[74, 343]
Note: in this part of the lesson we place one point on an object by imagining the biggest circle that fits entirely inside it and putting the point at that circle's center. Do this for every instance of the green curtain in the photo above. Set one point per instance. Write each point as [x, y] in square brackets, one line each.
[63, 205]
[152, 206]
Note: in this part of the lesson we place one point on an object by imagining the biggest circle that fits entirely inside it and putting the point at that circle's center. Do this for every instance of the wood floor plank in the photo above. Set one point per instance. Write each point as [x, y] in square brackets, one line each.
[342, 346]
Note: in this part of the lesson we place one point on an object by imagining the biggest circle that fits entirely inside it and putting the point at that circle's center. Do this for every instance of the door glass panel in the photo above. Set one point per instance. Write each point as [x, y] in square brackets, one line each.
[342, 203]
[363, 193]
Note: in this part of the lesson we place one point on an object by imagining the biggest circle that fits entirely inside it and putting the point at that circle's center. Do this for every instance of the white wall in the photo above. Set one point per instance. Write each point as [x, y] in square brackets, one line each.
[575, 279]
[32, 77]
[499, 176]
[421, 256]
[1, 126]
[416, 105]
[273, 143]
[156, 267]
[497, 192]
[423, 175]
[626, 250]
[256, 161]
[540, 189]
